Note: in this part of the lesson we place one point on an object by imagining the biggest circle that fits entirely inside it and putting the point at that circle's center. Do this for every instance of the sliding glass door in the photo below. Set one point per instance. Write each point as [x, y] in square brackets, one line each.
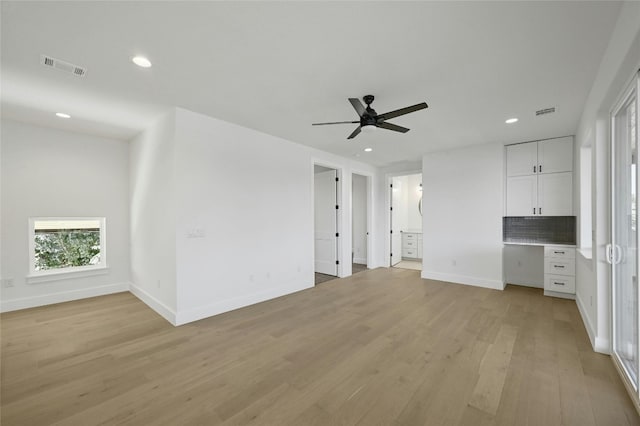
[622, 253]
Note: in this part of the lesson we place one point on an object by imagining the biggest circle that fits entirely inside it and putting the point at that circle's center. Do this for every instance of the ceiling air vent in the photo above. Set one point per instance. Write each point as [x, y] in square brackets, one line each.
[58, 64]
[545, 111]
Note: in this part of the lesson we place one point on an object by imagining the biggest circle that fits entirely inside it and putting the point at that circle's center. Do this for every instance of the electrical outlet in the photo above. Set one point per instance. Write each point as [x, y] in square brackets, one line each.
[158, 283]
[590, 300]
[453, 262]
[7, 282]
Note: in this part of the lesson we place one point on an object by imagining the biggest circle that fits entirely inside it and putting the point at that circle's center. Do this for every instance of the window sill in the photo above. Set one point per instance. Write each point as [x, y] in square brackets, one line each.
[66, 275]
[586, 252]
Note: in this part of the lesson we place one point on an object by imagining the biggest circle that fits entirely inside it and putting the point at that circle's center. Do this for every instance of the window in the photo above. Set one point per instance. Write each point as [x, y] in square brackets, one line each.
[60, 245]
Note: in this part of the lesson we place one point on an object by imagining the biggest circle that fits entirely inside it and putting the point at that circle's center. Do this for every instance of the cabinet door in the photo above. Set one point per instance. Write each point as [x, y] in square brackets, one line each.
[555, 194]
[555, 155]
[522, 159]
[522, 194]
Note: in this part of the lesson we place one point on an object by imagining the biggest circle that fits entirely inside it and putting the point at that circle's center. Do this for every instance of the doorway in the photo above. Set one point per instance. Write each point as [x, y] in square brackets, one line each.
[326, 208]
[359, 223]
[623, 253]
[406, 221]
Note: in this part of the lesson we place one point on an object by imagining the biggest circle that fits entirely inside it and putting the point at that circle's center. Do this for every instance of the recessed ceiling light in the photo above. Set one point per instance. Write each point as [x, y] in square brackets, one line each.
[368, 149]
[141, 61]
[62, 115]
[511, 120]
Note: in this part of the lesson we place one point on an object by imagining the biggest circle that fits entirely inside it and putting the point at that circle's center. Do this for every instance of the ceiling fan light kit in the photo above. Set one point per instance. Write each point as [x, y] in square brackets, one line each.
[370, 119]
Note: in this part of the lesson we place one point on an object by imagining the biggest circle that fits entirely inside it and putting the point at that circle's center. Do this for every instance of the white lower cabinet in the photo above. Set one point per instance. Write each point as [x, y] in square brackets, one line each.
[560, 271]
[411, 245]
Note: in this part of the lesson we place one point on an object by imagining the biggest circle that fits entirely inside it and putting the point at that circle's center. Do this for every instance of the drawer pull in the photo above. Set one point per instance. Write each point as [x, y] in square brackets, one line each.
[557, 283]
[558, 252]
[558, 266]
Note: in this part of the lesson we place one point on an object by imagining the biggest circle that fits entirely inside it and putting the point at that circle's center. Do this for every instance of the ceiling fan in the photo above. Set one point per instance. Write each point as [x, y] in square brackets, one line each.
[370, 119]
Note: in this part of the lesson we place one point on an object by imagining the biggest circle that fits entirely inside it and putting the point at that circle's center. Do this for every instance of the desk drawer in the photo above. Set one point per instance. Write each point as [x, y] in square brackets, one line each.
[560, 283]
[560, 252]
[553, 265]
[409, 236]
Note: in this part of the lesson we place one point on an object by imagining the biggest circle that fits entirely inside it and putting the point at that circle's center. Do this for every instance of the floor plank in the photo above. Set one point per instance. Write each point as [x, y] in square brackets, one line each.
[381, 347]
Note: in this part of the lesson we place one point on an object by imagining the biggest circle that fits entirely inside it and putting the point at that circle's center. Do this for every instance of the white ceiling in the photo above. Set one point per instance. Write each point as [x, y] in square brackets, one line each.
[278, 67]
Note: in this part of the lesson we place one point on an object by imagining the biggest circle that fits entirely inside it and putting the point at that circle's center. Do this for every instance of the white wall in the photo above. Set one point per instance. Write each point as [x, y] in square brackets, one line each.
[48, 172]
[621, 60]
[359, 219]
[251, 195]
[462, 215]
[153, 199]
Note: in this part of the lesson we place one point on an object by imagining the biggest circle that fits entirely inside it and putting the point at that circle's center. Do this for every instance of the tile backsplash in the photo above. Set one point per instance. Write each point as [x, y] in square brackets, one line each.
[539, 229]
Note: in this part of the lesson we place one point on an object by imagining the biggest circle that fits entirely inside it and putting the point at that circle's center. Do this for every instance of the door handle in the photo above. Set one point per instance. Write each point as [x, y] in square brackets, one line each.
[617, 254]
[608, 254]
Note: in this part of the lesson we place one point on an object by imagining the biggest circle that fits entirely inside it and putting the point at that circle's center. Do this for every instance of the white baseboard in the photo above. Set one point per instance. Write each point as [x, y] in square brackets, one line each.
[162, 309]
[588, 325]
[195, 314]
[360, 260]
[64, 296]
[463, 279]
[602, 346]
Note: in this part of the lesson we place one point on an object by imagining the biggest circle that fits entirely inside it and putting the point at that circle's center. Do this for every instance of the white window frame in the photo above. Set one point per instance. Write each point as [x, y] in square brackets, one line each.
[72, 271]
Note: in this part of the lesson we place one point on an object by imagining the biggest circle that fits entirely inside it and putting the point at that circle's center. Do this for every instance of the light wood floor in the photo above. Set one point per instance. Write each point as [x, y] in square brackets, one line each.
[382, 347]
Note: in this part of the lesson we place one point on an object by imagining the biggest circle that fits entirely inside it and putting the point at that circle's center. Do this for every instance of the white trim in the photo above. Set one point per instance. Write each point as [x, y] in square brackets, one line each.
[59, 297]
[67, 274]
[463, 279]
[206, 311]
[162, 309]
[588, 325]
[602, 346]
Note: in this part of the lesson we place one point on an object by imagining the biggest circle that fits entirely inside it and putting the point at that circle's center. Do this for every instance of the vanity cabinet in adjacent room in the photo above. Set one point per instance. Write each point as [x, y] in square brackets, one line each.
[411, 245]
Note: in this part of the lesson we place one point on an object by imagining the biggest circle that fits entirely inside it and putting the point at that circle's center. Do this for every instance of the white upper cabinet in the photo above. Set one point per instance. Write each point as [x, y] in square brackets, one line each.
[554, 194]
[540, 178]
[522, 159]
[555, 155]
[522, 195]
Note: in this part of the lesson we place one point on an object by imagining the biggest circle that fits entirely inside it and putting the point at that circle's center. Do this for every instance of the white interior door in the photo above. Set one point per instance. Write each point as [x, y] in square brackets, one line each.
[396, 223]
[623, 252]
[325, 222]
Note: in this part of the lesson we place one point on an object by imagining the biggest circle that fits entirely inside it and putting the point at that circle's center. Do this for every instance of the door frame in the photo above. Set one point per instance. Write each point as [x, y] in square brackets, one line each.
[622, 100]
[388, 179]
[370, 216]
[339, 215]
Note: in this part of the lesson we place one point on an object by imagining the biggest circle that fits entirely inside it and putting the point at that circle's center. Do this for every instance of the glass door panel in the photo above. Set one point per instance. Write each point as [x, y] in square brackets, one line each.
[623, 253]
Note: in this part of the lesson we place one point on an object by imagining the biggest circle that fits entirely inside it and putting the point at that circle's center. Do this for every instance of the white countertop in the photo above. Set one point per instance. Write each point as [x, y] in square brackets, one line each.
[538, 244]
[412, 231]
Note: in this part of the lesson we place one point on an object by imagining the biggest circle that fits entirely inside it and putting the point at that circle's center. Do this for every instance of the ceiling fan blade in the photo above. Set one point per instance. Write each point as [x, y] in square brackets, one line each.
[358, 106]
[355, 133]
[393, 127]
[402, 111]
[335, 122]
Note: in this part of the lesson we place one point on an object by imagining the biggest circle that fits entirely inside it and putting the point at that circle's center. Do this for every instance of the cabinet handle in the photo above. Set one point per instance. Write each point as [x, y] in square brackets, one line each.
[558, 252]
[539, 210]
[534, 169]
[558, 266]
[557, 283]
[540, 168]
[534, 210]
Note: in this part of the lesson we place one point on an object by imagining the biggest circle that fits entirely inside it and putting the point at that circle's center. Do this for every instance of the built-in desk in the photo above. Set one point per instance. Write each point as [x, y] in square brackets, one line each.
[548, 266]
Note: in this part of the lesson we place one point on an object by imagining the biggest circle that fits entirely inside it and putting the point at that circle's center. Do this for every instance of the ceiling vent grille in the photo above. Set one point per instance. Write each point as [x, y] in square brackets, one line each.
[58, 64]
[546, 111]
